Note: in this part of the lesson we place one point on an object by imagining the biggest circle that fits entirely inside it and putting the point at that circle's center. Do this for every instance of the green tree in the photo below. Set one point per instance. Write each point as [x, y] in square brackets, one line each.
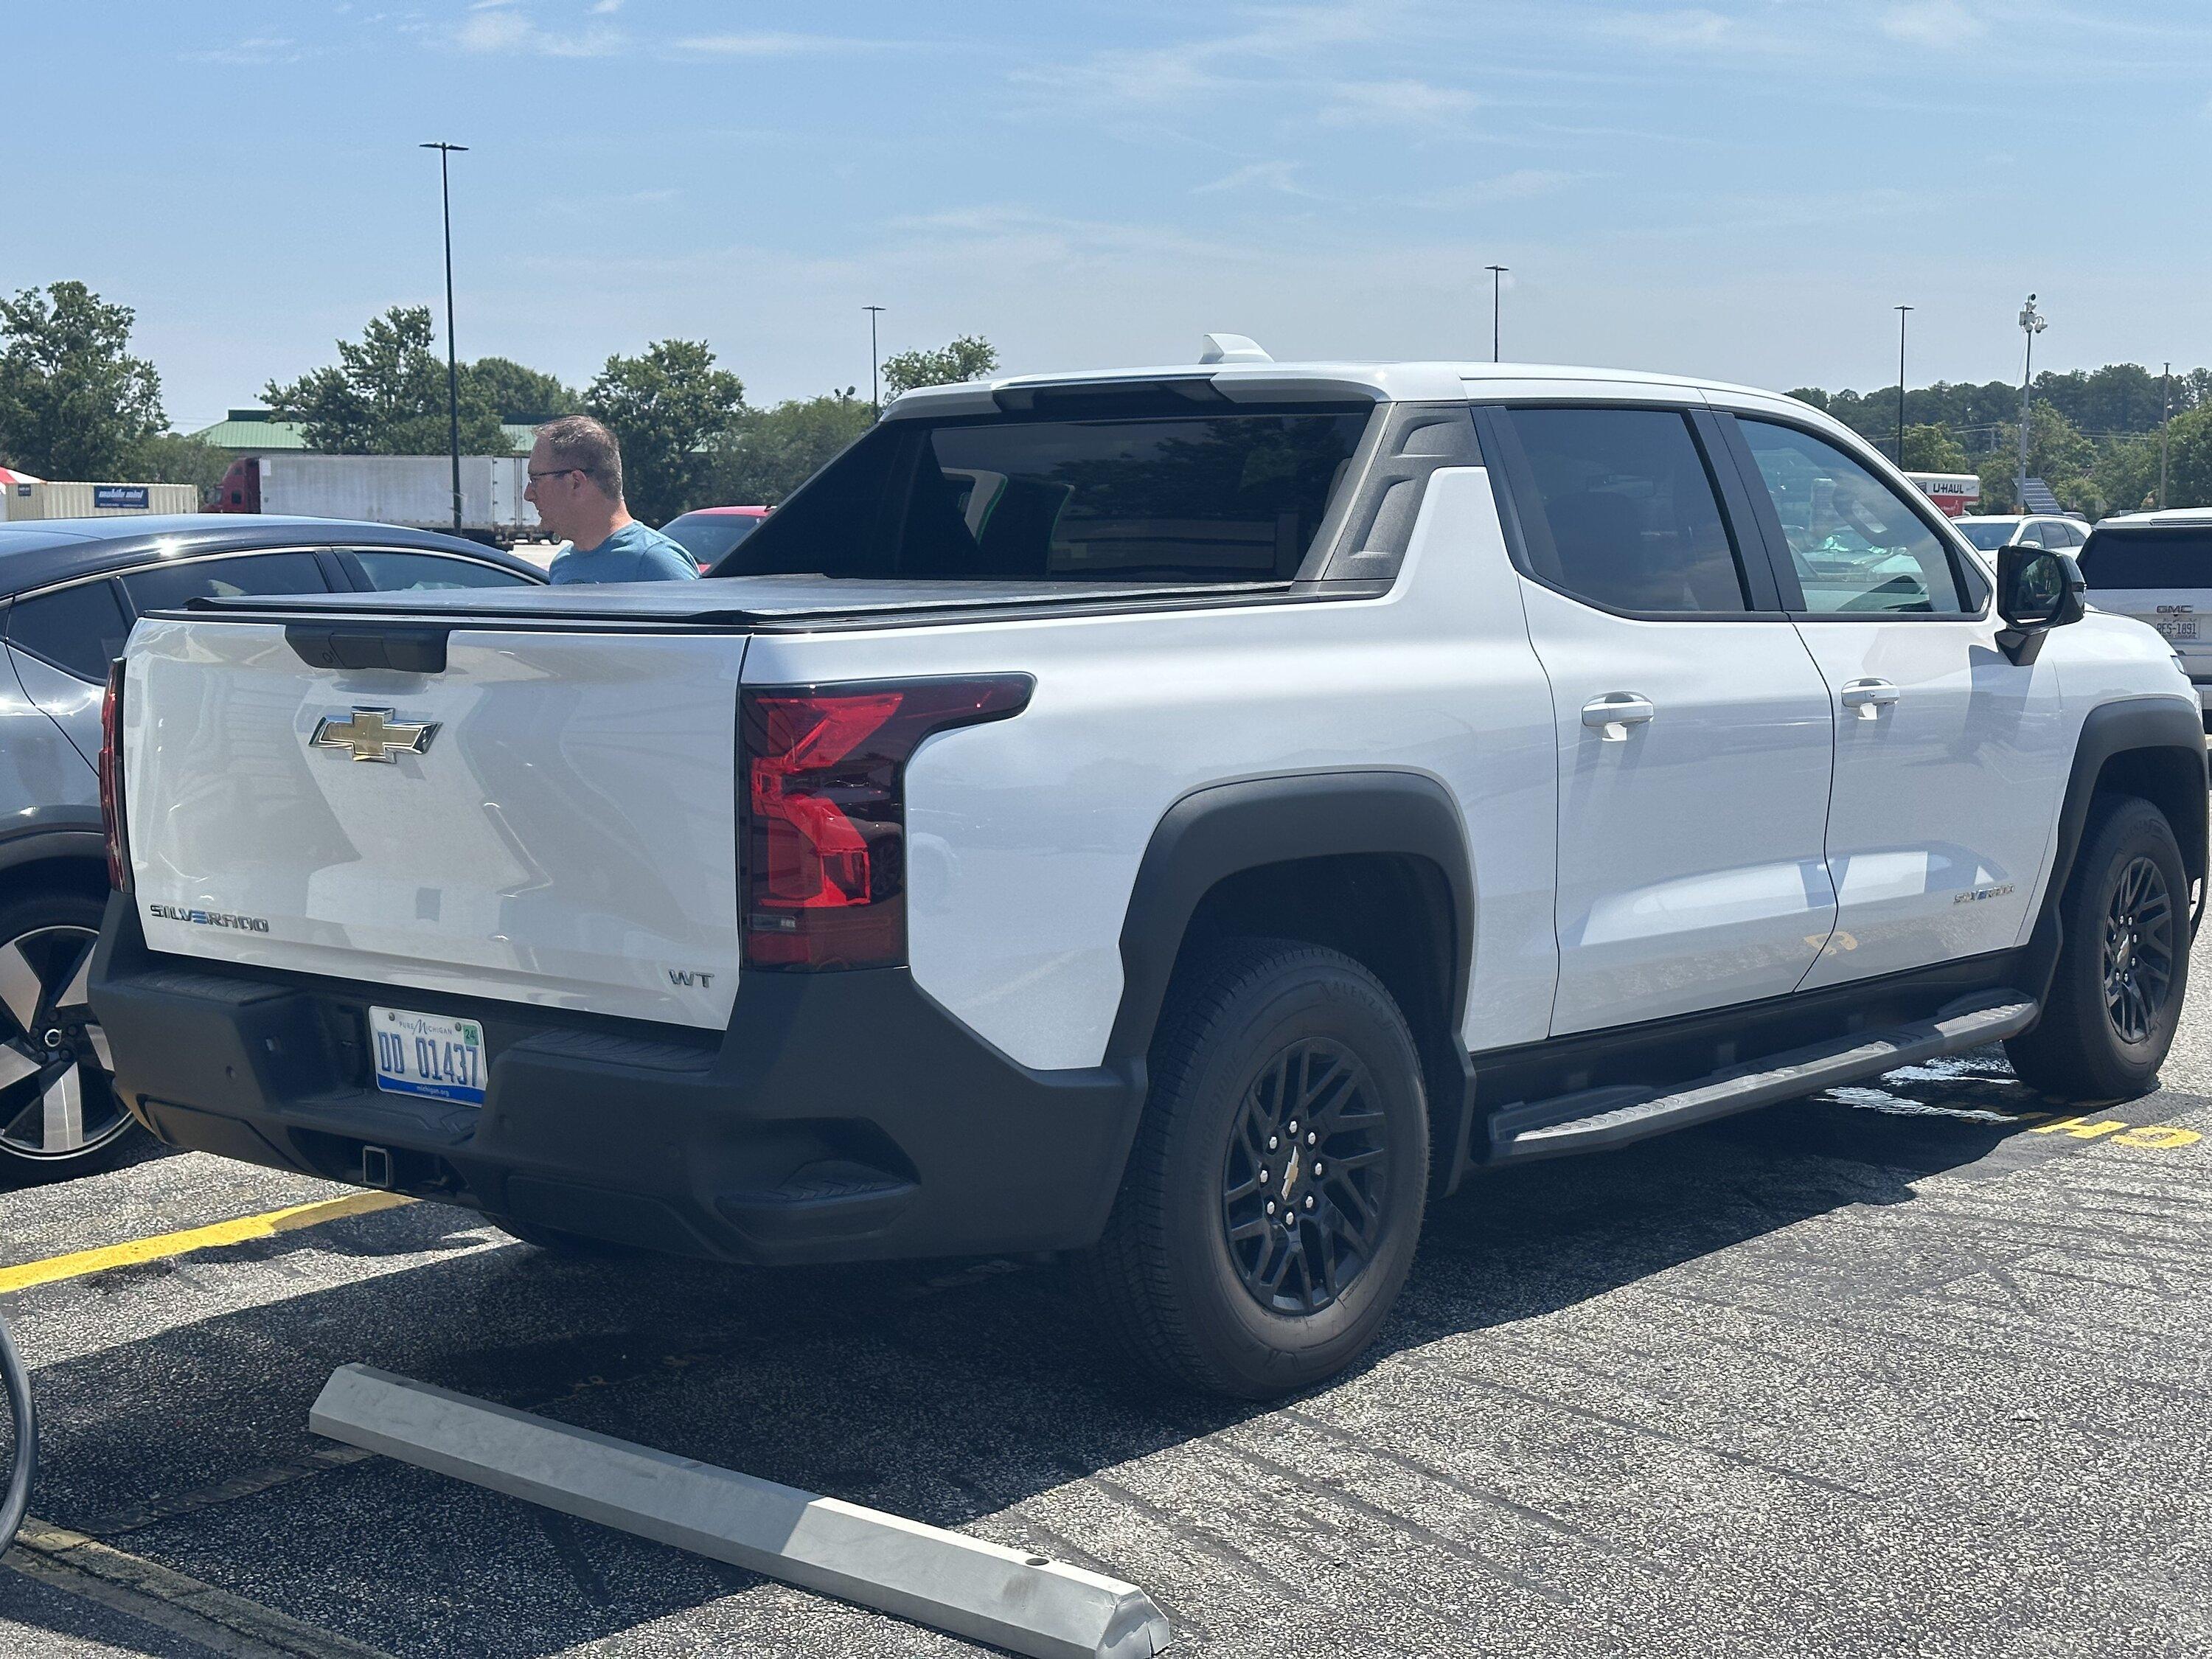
[2126, 474]
[2056, 454]
[174, 458]
[386, 395]
[968, 358]
[518, 394]
[2188, 480]
[1932, 449]
[673, 410]
[776, 450]
[73, 400]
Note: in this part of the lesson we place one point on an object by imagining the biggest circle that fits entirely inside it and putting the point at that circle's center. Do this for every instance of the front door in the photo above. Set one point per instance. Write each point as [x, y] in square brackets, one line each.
[1949, 758]
[1693, 731]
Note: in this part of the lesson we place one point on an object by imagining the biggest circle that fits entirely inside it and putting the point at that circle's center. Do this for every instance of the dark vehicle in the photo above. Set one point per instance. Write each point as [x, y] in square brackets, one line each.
[69, 591]
[707, 533]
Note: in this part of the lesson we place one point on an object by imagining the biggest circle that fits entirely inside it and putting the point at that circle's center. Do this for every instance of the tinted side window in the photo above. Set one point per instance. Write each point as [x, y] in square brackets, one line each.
[392, 572]
[1626, 514]
[164, 587]
[2148, 558]
[1858, 548]
[2036, 535]
[80, 629]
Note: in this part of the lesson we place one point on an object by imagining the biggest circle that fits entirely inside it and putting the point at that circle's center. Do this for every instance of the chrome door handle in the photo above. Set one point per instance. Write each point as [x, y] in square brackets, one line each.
[1869, 697]
[1612, 714]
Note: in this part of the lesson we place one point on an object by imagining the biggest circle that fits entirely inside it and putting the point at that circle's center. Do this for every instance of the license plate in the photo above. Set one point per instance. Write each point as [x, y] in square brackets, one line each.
[429, 1054]
[2177, 627]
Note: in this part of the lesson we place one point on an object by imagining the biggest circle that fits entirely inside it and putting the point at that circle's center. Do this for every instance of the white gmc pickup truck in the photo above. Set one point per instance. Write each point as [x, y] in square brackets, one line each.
[1187, 816]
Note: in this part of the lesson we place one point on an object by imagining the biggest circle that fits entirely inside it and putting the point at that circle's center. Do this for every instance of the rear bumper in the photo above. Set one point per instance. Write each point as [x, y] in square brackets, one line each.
[841, 1116]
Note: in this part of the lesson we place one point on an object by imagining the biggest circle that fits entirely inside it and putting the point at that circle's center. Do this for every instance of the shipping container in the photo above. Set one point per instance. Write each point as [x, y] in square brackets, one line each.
[404, 489]
[61, 500]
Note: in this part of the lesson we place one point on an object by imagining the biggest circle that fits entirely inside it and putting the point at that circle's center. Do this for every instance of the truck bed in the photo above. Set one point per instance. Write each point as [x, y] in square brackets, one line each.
[755, 603]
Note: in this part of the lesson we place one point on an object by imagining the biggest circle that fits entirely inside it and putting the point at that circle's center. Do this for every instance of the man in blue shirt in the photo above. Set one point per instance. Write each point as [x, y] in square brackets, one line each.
[576, 484]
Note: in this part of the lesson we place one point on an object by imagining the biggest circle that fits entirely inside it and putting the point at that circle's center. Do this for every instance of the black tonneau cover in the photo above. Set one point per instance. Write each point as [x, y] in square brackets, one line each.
[765, 603]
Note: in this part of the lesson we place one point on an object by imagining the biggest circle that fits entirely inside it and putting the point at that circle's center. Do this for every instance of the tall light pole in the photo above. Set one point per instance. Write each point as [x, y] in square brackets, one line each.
[875, 361]
[2032, 323]
[2165, 418]
[1901, 310]
[1497, 282]
[445, 153]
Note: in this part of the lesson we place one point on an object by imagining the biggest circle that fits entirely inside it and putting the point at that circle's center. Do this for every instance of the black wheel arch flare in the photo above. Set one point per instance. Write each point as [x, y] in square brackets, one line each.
[2152, 747]
[1226, 829]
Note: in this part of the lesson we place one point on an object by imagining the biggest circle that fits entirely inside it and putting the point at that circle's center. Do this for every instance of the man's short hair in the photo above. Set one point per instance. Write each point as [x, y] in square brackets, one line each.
[580, 441]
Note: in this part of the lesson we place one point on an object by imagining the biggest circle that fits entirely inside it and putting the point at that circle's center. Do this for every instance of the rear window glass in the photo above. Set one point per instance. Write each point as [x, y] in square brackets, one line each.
[2148, 558]
[389, 571]
[1988, 537]
[1235, 497]
[80, 629]
[166, 587]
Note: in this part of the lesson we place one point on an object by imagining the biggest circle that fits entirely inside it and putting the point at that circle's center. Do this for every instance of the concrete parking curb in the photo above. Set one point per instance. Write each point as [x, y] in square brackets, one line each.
[1022, 1602]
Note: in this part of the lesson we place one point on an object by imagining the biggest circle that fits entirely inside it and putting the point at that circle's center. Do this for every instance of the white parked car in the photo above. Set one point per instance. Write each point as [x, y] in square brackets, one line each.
[1187, 815]
[1990, 531]
[2157, 567]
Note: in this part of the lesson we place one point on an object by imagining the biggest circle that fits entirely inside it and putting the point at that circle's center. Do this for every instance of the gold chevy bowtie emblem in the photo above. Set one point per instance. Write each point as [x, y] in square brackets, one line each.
[373, 734]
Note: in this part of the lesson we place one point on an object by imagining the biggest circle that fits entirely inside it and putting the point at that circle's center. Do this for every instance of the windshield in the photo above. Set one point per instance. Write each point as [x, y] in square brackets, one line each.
[2179, 557]
[1217, 496]
[1987, 537]
[707, 536]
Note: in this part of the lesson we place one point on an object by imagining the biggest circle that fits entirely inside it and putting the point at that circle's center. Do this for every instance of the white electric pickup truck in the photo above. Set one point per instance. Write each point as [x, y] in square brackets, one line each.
[1187, 816]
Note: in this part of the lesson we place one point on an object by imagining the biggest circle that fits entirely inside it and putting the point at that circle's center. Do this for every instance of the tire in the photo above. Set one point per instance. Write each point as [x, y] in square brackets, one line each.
[1200, 1285]
[2115, 997]
[60, 1114]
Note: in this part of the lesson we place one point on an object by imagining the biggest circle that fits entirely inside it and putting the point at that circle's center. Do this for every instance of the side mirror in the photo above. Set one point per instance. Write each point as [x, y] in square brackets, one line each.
[2037, 590]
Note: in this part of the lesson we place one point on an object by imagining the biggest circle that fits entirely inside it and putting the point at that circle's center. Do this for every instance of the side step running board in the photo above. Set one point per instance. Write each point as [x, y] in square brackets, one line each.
[1597, 1119]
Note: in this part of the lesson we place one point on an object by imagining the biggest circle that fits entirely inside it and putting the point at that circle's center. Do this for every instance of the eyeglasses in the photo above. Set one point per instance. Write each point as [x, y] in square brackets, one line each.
[555, 471]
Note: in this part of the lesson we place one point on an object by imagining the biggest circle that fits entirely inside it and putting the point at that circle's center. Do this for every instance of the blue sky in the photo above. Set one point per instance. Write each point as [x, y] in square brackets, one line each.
[1741, 188]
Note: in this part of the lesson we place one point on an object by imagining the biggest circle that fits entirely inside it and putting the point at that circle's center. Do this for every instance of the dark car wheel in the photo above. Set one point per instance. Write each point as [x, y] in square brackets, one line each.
[2115, 999]
[59, 1113]
[1273, 1199]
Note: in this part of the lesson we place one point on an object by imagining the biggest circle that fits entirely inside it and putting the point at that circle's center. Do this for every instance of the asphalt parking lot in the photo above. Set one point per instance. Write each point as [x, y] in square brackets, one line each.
[1915, 1369]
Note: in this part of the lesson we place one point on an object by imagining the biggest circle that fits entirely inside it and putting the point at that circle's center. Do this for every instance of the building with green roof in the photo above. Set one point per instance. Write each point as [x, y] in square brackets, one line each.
[258, 432]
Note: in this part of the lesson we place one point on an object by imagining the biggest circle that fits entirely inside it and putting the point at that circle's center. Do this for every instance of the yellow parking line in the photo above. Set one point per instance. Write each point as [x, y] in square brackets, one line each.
[82, 1262]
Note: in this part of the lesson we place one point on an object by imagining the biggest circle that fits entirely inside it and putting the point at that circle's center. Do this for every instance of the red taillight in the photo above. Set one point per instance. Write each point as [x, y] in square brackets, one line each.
[826, 812]
[111, 779]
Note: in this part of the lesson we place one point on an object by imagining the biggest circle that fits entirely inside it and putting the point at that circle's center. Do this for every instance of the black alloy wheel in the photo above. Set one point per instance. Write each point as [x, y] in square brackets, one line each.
[1272, 1204]
[1306, 1180]
[2116, 991]
[58, 1108]
[2138, 959]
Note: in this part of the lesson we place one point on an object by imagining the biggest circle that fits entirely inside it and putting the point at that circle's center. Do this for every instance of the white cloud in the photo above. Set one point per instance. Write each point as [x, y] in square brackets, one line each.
[1690, 29]
[767, 45]
[1395, 103]
[498, 26]
[1279, 176]
[605, 8]
[1521, 184]
[256, 49]
[1932, 23]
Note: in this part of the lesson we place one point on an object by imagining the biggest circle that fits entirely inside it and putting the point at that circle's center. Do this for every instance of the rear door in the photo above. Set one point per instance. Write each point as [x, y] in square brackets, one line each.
[1693, 731]
[1949, 758]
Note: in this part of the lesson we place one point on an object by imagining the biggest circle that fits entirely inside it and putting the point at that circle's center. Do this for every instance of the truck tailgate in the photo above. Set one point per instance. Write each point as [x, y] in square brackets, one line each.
[566, 836]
